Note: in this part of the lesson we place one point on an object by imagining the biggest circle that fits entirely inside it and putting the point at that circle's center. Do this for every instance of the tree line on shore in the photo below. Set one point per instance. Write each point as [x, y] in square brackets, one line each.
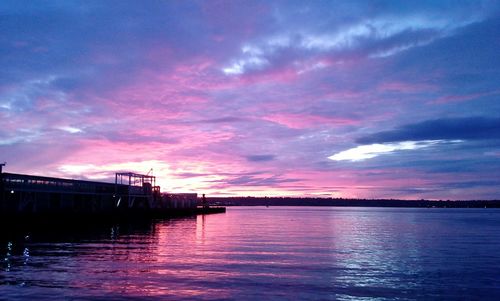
[306, 201]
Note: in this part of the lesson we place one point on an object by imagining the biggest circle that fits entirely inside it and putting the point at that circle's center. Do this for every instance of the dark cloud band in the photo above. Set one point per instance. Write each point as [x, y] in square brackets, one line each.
[469, 128]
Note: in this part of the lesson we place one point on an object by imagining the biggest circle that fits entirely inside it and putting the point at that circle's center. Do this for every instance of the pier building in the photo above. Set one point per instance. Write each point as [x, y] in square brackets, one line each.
[132, 193]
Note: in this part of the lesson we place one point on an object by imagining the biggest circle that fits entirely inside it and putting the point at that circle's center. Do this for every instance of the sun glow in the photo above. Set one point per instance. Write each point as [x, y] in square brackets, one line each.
[166, 177]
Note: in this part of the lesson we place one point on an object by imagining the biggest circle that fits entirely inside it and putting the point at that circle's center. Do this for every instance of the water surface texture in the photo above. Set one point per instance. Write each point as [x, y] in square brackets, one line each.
[258, 253]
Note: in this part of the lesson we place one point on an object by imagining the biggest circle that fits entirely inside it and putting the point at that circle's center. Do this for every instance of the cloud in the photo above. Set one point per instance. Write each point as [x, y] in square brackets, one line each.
[376, 36]
[422, 135]
[304, 120]
[228, 119]
[364, 152]
[267, 181]
[260, 158]
[465, 128]
[211, 86]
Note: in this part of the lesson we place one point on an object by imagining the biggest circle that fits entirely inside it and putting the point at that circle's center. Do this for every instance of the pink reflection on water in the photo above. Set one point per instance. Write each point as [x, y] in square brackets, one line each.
[162, 262]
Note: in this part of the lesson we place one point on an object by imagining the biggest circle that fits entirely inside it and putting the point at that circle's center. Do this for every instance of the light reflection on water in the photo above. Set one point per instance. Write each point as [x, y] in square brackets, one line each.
[276, 253]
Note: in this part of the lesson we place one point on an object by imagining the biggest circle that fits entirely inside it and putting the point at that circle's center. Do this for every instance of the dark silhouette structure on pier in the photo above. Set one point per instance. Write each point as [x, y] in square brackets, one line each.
[132, 194]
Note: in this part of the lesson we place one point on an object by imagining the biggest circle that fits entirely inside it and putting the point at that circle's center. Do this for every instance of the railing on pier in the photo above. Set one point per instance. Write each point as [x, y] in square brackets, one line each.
[19, 182]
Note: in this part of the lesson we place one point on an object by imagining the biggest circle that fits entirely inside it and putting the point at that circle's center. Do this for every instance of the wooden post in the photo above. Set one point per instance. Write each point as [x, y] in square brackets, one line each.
[1, 185]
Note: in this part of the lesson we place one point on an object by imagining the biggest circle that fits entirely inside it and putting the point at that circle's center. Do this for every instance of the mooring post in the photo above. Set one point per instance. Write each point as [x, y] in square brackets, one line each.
[1, 184]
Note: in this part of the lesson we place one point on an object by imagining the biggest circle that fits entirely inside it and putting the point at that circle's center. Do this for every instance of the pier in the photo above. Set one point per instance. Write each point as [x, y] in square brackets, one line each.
[132, 195]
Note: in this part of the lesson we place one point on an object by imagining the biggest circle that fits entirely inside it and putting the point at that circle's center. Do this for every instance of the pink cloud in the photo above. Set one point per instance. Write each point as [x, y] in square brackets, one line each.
[302, 121]
[460, 98]
[405, 87]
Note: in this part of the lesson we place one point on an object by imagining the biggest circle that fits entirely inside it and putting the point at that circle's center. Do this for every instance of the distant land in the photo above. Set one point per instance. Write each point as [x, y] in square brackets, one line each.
[341, 202]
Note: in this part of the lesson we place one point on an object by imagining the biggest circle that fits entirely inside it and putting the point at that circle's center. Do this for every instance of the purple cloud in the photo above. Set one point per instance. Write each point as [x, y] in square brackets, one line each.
[466, 128]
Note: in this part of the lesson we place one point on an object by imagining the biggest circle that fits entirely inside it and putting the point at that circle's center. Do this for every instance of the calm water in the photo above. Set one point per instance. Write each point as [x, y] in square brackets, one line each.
[276, 253]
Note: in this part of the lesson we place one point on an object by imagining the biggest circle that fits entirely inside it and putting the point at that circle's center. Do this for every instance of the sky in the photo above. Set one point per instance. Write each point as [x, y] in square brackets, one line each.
[353, 99]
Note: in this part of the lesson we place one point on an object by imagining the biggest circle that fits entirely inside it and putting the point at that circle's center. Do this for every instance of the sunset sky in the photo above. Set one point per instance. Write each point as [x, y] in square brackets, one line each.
[370, 99]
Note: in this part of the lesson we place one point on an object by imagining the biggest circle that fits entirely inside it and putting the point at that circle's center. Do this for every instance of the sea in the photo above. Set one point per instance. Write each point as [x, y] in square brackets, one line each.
[260, 253]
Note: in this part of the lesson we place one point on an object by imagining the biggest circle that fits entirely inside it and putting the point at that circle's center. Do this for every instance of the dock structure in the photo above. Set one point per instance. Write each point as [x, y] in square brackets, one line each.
[137, 189]
[132, 194]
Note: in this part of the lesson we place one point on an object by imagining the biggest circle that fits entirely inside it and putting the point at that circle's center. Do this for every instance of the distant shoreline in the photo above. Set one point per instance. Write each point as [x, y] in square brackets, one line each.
[338, 202]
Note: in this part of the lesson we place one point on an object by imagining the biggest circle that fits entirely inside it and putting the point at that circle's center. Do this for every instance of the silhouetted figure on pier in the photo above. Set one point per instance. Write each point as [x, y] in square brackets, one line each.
[204, 201]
